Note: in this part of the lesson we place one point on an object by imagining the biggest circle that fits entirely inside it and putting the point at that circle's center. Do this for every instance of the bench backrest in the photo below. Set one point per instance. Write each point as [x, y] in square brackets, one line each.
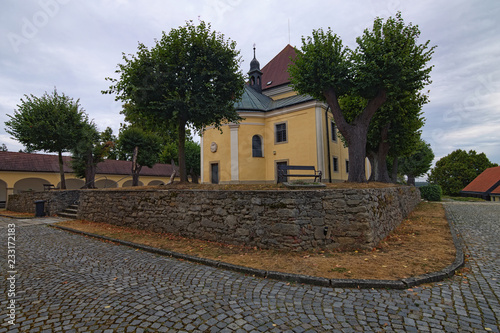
[298, 167]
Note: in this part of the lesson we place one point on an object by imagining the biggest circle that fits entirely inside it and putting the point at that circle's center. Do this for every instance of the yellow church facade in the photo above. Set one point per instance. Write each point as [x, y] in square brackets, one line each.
[279, 127]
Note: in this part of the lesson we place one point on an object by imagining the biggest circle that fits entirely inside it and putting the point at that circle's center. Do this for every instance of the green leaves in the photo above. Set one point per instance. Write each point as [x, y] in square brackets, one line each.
[149, 145]
[380, 80]
[190, 77]
[324, 62]
[456, 170]
[417, 163]
[389, 57]
[51, 123]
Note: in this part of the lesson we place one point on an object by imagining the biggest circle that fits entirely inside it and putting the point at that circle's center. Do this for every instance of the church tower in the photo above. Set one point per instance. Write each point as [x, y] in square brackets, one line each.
[255, 73]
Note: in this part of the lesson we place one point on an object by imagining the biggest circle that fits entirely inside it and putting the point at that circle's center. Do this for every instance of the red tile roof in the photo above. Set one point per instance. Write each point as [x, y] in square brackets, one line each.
[276, 71]
[487, 181]
[10, 161]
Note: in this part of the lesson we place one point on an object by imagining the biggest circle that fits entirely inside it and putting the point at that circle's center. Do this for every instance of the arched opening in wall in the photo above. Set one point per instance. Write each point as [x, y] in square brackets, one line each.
[74, 184]
[156, 183]
[106, 183]
[128, 183]
[30, 184]
[3, 193]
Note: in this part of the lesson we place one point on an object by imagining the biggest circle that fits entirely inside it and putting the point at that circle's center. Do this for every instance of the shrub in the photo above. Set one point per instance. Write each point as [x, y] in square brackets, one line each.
[431, 192]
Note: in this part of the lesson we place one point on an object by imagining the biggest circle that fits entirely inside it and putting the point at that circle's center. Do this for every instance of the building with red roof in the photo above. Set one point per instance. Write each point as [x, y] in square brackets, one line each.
[485, 186]
[24, 172]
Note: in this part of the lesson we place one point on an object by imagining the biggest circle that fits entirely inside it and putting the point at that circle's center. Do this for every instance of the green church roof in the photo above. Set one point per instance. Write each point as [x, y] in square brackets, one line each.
[252, 100]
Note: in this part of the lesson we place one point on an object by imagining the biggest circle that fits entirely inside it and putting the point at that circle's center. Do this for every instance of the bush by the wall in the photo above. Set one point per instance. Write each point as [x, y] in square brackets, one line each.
[431, 192]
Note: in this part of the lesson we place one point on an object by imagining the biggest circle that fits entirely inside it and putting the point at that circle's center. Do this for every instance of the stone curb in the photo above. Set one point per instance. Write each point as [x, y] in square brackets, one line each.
[305, 279]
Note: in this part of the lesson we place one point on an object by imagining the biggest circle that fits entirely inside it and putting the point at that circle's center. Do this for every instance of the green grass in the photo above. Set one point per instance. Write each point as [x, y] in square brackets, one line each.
[467, 199]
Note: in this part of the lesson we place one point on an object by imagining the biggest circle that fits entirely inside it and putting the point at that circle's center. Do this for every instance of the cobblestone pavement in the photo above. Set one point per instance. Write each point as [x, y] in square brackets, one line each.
[70, 283]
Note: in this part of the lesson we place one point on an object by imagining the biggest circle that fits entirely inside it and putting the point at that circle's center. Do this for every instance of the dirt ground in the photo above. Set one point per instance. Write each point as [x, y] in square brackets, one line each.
[421, 244]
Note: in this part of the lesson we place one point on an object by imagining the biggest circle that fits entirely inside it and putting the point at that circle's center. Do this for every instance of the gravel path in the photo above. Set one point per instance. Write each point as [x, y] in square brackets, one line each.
[70, 283]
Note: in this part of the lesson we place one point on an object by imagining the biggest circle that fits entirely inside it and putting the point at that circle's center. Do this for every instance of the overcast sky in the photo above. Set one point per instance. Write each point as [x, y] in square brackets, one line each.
[74, 45]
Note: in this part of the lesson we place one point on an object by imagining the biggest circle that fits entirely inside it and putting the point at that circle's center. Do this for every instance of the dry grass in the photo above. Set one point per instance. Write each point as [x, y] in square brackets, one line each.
[251, 187]
[9, 213]
[421, 244]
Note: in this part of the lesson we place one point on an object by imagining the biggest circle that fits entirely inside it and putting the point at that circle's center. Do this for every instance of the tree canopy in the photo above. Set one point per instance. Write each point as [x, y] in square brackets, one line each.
[142, 148]
[51, 123]
[91, 149]
[418, 163]
[387, 64]
[456, 170]
[190, 77]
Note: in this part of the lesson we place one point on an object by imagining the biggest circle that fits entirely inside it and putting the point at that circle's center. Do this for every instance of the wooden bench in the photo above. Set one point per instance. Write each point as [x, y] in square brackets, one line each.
[284, 172]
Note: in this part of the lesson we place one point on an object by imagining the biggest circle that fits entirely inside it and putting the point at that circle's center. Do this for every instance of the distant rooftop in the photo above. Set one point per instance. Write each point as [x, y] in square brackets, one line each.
[488, 182]
[24, 162]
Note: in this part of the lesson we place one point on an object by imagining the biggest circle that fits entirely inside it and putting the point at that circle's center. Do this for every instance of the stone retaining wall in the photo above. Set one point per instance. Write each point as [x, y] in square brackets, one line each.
[55, 201]
[295, 220]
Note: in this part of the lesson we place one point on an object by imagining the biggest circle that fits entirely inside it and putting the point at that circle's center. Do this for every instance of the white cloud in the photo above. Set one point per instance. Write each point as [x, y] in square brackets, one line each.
[75, 45]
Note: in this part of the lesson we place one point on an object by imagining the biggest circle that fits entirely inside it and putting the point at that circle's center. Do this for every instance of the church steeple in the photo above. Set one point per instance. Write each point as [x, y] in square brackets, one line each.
[255, 73]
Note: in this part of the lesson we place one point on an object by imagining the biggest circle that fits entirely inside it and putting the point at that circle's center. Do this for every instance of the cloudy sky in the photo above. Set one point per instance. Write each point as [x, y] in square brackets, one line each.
[74, 45]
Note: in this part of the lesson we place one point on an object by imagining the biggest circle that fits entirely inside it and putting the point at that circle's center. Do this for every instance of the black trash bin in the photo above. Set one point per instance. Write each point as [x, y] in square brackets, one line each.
[39, 208]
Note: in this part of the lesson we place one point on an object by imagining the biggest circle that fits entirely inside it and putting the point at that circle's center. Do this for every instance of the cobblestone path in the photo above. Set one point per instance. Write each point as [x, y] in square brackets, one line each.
[70, 283]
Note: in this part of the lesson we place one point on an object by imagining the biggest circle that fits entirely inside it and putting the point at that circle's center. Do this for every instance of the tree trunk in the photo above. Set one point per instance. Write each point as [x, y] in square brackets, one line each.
[194, 176]
[172, 176]
[382, 174]
[356, 132]
[90, 169]
[135, 168]
[394, 174]
[182, 150]
[357, 154]
[61, 171]
[411, 180]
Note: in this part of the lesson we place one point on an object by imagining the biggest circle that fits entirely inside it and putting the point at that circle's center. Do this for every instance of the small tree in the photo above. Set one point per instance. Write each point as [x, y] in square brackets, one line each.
[89, 152]
[193, 157]
[143, 149]
[190, 77]
[418, 163]
[110, 140]
[3, 147]
[51, 123]
[456, 170]
[387, 63]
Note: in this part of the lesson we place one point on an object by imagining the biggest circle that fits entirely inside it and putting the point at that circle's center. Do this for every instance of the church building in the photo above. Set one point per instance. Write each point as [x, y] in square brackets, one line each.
[279, 127]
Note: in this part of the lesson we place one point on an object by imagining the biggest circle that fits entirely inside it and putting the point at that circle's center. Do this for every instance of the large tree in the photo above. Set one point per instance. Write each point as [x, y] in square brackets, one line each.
[190, 77]
[387, 62]
[142, 148]
[52, 123]
[394, 131]
[456, 170]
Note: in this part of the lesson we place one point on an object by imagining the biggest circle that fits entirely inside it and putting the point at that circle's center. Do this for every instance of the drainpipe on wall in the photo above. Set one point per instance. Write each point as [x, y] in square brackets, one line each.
[328, 145]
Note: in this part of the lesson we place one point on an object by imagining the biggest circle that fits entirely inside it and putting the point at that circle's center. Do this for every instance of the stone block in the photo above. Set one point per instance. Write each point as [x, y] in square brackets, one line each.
[242, 232]
[285, 229]
[319, 233]
[318, 221]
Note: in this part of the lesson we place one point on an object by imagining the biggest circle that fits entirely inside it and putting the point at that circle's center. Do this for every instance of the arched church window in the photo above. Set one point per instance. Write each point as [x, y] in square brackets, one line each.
[257, 146]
